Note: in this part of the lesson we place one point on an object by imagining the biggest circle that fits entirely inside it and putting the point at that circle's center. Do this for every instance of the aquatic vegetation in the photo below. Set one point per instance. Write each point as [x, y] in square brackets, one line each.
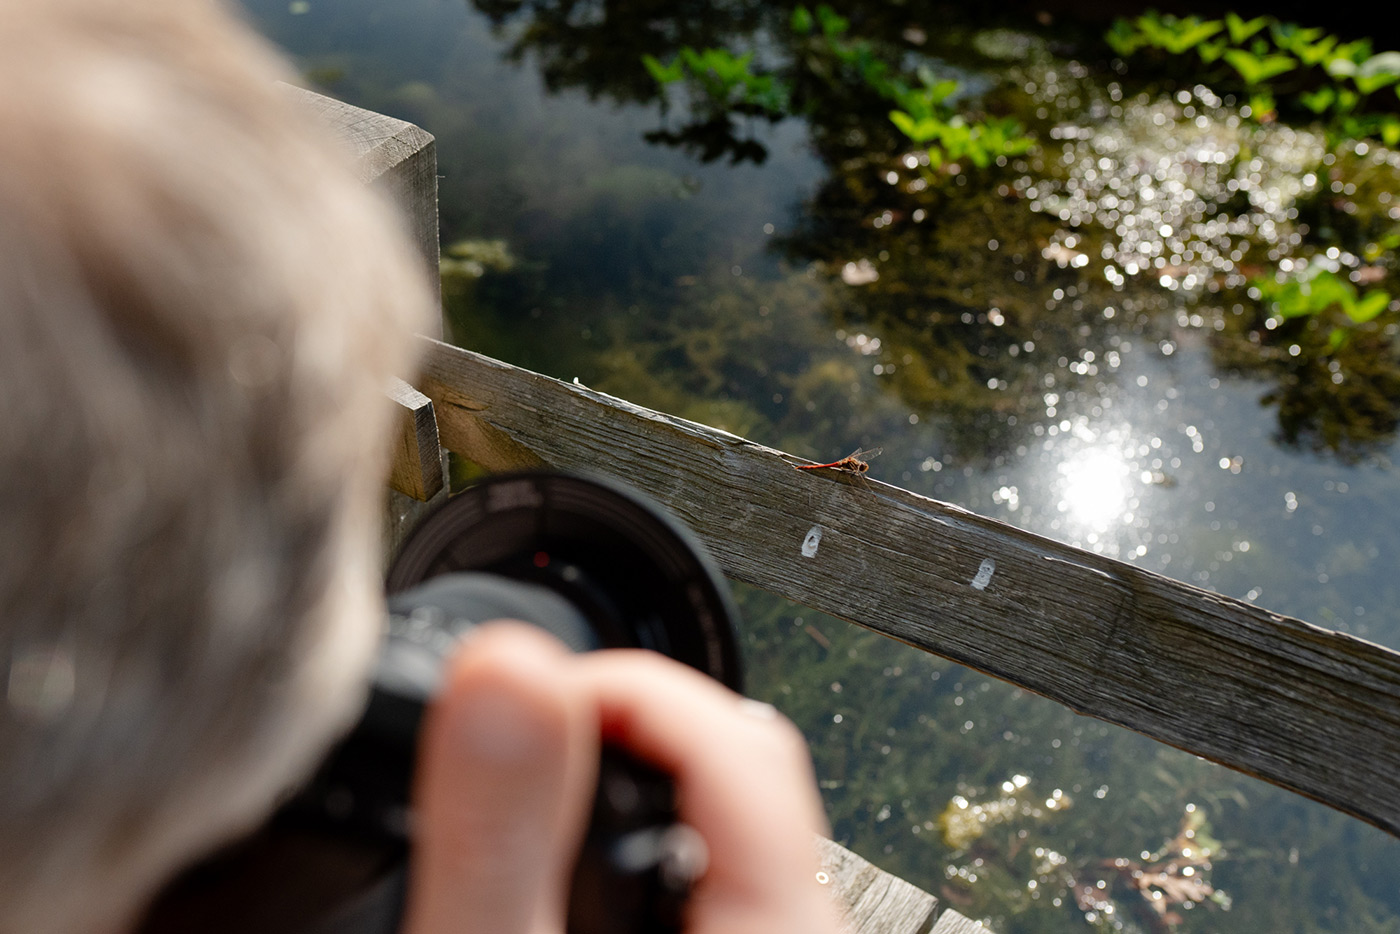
[926, 120]
[1316, 288]
[964, 822]
[821, 52]
[727, 80]
[1003, 833]
[473, 258]
[1175, 878]
[1270, 61]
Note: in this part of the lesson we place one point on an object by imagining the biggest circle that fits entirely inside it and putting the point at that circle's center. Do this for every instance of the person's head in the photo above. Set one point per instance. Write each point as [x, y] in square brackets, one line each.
[200, 308]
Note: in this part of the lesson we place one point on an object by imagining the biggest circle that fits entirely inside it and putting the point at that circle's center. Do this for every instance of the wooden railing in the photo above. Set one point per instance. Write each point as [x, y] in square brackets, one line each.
[1309, 709]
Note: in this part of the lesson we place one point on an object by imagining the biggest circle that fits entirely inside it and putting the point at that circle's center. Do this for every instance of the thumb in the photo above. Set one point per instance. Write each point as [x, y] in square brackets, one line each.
[506, 768]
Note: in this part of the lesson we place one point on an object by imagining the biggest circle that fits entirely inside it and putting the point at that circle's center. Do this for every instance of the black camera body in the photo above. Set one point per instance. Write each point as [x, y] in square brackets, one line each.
[592, 563]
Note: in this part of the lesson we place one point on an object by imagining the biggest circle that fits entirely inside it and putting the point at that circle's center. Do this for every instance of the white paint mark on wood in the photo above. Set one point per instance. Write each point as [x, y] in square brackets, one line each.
[810, 543]
[984, 574]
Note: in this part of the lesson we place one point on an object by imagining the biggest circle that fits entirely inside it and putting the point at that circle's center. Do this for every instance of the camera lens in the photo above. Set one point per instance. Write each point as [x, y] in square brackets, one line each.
[634, 575]
[595, 565]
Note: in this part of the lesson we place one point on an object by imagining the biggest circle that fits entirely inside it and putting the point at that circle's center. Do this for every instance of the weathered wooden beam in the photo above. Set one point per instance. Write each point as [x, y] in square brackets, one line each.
[417, 469]
[870, 900]
[393, 156]
[1307, 708]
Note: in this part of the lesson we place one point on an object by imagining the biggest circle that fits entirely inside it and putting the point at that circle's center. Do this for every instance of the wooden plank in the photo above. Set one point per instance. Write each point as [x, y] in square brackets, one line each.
[1312, 710]
[417, 468]
[393, 156]
[950, 922]
[418, 480]
[870, 900]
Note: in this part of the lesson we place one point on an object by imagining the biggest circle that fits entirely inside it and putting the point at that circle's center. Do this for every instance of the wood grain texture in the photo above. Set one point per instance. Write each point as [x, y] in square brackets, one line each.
[417, 467]
[870, 900]
[392, 155]
[950, 922]
[1313, 710]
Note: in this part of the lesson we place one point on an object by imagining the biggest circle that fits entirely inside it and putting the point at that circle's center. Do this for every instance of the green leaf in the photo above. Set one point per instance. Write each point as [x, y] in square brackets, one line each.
[1315, 52]
[801, 21]
[663, 74]
[1256, 70]
[1319, 100]
[832, 23]
[1155, 28]
[940, 92]
[1189, 33]
[1373, 84]
[1364, 309]
[1327, 289]
[732, 70]
[1261, 104]
[1123, 39]
[1336, 338]
[919, 130]
[1390, 130]
[1241, 30]
[693, 60]
[1211, 51]
[1356, 52]
[1018, 146]
[1377, 72]
[1291, 302]
[979, 154]
[1289, 36]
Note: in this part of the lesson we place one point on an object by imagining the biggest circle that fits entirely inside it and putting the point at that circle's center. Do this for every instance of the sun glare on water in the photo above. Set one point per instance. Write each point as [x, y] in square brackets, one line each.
[1094, 489]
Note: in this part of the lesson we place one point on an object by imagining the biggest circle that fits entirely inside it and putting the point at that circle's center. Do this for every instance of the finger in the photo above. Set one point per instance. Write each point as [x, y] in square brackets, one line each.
[505, 776]
[744, 781]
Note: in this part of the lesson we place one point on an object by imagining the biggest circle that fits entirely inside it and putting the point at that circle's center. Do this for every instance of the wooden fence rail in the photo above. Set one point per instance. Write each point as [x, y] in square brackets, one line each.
[1312, 710]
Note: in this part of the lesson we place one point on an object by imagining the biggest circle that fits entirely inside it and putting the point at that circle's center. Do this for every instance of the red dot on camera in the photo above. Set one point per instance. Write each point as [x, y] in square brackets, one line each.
[541, 559]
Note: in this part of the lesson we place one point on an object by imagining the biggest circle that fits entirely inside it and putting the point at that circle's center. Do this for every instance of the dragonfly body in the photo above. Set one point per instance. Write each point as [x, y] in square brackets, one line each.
[851, 463]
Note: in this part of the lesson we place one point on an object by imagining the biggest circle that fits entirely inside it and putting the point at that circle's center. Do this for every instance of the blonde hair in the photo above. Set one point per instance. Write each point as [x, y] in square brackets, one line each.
[200, 308]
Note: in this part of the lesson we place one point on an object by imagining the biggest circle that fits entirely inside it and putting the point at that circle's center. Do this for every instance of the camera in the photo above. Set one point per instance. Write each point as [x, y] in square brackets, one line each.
[589, 561]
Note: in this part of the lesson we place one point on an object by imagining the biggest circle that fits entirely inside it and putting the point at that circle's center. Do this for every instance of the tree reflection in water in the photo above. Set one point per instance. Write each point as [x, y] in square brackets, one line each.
[991, 290]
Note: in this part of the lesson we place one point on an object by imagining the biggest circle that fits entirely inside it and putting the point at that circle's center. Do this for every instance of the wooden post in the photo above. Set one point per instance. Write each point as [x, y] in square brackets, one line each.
[392, 156]
[399, 159]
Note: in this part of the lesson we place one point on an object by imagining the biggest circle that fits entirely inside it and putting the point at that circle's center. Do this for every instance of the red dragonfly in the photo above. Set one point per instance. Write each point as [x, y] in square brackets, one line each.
[851, 463]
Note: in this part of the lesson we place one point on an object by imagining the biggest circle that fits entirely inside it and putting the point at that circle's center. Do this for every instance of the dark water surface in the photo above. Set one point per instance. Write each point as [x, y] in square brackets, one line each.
[1067, 342]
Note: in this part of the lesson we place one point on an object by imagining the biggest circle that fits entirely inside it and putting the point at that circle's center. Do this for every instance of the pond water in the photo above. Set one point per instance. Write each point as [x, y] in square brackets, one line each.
[1078, 338]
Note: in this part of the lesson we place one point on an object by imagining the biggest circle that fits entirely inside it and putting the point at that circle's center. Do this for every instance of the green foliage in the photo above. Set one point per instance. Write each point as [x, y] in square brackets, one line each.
[926, 120]
[726, 82]
[724, 79]
[1256, 69]
[1316, 291]
[1176, 35]
[1271, 60]
[1240, 30]
[1377, 72]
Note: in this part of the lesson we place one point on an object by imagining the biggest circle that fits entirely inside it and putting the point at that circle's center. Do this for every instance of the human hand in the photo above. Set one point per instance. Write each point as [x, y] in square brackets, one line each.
[506, 777]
